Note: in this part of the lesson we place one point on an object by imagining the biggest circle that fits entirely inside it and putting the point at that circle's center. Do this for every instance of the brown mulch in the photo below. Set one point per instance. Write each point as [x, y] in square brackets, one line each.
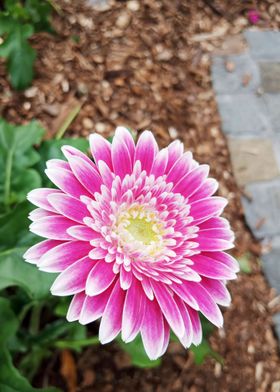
[146, 64]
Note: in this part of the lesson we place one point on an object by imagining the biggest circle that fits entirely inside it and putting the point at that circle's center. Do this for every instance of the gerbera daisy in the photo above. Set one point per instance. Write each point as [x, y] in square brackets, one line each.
[137, 238]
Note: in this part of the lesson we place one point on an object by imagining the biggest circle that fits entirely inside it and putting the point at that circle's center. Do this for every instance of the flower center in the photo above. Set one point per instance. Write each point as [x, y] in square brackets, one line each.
[140, 233]
[141, 230]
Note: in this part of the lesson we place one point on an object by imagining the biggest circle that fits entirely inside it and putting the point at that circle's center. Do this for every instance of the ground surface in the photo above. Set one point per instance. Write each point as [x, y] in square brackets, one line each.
[147, 65]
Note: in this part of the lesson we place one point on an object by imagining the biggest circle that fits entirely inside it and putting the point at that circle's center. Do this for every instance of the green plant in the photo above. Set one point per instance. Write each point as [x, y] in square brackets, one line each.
[18, 21]
[24, 291]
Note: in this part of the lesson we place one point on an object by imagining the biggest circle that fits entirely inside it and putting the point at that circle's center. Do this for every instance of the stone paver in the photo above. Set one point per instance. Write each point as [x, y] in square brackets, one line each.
[270, 76]
[264, 45]
[272, 102]
[244, 114]
[253, 160]
[244, 78]
[262, 208]
[250, 117]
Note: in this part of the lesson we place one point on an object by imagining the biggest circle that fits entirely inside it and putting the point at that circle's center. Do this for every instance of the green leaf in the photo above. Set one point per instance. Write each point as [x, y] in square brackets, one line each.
[8, 321]
[19, 54]
[138, 354]
[11, 380]
[14, 271]
[16, 155]
[244, 263]
[204, 350]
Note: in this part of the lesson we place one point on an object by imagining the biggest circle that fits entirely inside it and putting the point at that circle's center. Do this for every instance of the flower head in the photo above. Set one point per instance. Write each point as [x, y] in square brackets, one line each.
[253, 16]
[137, 239]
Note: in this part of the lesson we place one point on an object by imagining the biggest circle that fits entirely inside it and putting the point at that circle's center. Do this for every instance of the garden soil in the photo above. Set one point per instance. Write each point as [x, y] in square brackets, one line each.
[145, 64]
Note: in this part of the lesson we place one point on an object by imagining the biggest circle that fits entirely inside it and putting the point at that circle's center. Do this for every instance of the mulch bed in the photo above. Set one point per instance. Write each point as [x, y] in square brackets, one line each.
[146, 64]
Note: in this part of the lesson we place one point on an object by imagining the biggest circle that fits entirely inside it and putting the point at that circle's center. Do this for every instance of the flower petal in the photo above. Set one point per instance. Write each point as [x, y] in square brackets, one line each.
[33, 254]
[86, 174]
[152, 329]
[67, 182]
[204, 209]
[111, 321]
[94, 307]
[100, 149]
[100, 278]
[38, 197]
[62, 256]
[160, 163]
[192, 181]
[53, 227]
[121, 157]
[175, 151]
[169, 308]
[73, 279]
[217, 290]
[69, 206]
[75, 307]
[146, 150]
[133, 312]
[211, 268]
[83, 233]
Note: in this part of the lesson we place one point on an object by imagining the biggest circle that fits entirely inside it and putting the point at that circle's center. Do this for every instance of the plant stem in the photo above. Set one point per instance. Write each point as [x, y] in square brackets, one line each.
[35, 318]
[8, 174]
[76, 343]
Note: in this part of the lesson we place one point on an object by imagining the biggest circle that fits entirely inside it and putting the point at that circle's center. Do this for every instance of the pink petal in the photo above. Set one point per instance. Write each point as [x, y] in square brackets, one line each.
[75, 307]
[106, 173]
[57, 164]
[121, 157]
[62, 256]
[217, 290]
[133, 312]
[215, 223]
[83, 233]
[33, 254]
[175, 151]
[100, 149]
[160, 163]
[54, 227]
[111, 321]
[211, 268]
[40, 213]
[125, 278]
[196, 325]
[148, 290]
[166, 333]
[152, 330]
[204, 209]
[67, 182]
[208, 189]
[187, 338]
[181, 167]
[217, 233]
[94, 307]
[86, 174]
[123, 134]
[70, 152]
[169, 308]
[207, 306]
[69, 206]
[146, 150]
[100, 278]
[192, 181]
[185, 294]
[212, 244]
[225, 259]
[73, 279]
[39, 198]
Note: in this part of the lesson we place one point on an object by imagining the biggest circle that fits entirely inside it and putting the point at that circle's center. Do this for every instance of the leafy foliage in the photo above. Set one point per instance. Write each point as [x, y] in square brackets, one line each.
[24, 290]
[17, 24]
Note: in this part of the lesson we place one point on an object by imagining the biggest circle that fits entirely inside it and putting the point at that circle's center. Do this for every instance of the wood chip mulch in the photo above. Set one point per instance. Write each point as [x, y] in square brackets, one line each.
[146, 64]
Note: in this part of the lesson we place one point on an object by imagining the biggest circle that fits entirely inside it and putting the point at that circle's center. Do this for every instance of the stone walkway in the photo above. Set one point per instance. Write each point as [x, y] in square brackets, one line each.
[247, 87]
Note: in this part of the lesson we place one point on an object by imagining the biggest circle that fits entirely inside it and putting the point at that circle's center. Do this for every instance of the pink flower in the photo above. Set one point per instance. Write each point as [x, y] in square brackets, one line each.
[137, 239]
[253, 16]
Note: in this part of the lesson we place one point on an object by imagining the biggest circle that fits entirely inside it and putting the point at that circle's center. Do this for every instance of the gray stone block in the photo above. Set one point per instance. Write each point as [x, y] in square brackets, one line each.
[271, 265]
[264, 45]
[263, 208]
[244, 78]
[276, 320]
[272, 102]
[276, 147]
[244, 114]
[270, 76]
